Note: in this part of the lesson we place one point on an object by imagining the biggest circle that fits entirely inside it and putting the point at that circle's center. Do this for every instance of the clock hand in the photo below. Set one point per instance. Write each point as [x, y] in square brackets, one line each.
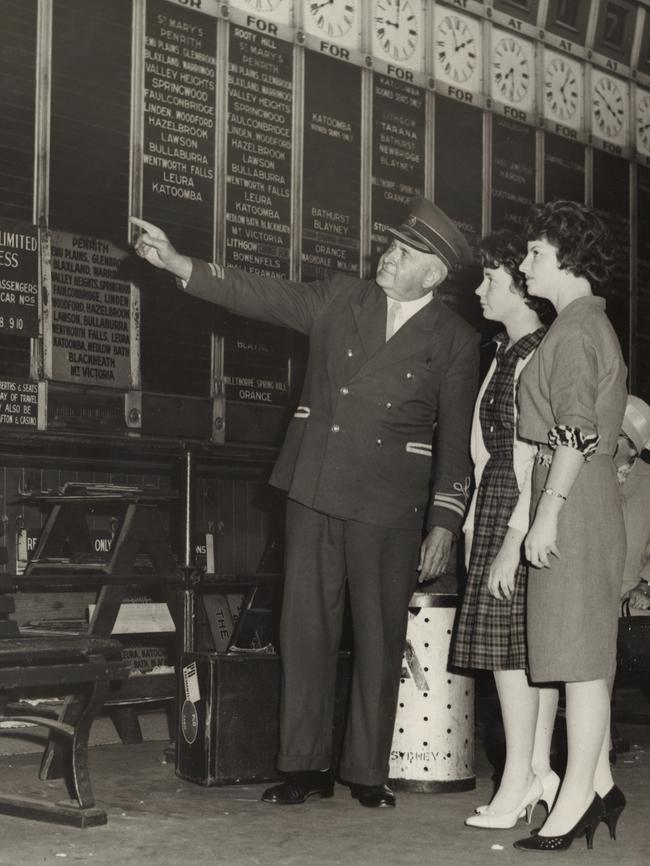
[609, 107]
[463, 44]
[564, 84]
[316, 6]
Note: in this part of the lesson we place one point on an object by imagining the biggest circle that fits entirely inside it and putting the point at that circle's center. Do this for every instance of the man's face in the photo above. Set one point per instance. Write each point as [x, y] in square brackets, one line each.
[405, 274]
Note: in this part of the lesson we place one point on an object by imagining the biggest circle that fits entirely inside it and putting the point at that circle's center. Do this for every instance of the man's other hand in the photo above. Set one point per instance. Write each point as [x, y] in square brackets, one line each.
[434, 553]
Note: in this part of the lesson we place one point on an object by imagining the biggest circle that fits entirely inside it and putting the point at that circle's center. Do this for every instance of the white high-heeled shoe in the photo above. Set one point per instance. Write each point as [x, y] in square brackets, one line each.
[550, 787]
[507, 820]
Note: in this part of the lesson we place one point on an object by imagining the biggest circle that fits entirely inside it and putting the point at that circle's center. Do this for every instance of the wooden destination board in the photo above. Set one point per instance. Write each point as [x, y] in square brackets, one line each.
[331, 167]
[564, 169]
[458, 190]
[398, 154]
[17, 102]
[459, 165]
[178, 191]
[179, 125]
[260, 116]
[91, 315]
[18, 404]
[19, 278]
[91, 117]
[513, 172]
[256, 365]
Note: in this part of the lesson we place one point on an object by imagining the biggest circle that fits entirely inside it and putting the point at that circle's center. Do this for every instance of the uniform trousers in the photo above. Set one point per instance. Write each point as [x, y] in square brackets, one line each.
[379, 565]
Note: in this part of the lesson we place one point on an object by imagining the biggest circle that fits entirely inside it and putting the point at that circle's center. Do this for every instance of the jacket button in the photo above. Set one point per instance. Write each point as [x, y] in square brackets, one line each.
[416, 509]
[409, 375]
[389, 405]
[344, 390]
[335, 428]
[350, 353]
[379, 442]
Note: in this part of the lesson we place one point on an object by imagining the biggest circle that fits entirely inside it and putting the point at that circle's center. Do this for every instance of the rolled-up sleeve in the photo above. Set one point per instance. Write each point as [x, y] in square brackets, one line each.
[573, 390]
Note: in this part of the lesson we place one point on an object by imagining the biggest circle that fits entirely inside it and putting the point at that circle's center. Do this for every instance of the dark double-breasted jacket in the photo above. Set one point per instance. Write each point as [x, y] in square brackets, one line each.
[381, 434]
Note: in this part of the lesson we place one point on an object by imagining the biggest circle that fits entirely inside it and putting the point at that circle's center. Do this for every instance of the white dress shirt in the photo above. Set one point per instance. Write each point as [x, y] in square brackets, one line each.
[399, 312]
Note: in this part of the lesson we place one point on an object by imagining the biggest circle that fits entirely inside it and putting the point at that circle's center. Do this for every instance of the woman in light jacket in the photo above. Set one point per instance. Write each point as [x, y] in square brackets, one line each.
[572, 399]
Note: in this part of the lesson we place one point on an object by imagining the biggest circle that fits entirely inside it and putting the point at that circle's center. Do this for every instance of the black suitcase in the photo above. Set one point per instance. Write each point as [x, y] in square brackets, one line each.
[228, 719]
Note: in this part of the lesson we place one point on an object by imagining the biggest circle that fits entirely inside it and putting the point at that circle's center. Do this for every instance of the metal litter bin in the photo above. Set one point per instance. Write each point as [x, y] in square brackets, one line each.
[433, 741]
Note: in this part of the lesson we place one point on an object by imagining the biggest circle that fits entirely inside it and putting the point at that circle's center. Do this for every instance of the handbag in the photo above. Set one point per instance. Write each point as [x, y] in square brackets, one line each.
[633, 644]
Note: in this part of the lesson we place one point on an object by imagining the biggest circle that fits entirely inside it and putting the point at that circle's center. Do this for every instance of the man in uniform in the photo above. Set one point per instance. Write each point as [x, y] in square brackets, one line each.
[375, 457]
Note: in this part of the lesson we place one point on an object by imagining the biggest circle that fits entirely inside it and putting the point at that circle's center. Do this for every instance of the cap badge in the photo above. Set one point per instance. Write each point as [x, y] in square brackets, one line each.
[412, 221]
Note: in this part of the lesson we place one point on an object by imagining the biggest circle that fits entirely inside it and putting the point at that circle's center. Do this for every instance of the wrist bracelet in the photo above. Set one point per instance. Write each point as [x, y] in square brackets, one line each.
[550, 492]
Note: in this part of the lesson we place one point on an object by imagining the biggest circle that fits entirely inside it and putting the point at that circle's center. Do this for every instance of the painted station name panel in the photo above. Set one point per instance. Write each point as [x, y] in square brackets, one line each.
[459, 165]
[458, 183]
[17, 103]
[19, 269]
[513, 172]
[398, 142]
[331, 167]
[18, 404]
[564, 168]
[260, 117]
[91, 318]
[256, 366]
[89, 116]
[179, 125]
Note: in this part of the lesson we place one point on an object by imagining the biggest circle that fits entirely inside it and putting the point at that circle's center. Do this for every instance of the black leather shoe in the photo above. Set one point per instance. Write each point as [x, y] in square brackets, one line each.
[373, 796]
[299, 787]
[614, 803]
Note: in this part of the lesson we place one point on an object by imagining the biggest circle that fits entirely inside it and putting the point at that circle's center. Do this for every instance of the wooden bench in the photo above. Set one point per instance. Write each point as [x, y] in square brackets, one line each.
[140, 555]
[44, 664]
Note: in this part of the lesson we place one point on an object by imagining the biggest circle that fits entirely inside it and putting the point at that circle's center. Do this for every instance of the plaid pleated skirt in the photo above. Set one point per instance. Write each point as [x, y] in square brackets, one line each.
[491, 633]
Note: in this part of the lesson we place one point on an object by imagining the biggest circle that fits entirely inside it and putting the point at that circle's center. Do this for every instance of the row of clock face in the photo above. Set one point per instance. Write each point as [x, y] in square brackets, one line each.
[397, 37]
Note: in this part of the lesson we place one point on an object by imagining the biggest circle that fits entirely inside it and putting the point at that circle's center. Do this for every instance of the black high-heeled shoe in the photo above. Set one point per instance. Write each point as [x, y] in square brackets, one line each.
[585, 826]
[614, 802]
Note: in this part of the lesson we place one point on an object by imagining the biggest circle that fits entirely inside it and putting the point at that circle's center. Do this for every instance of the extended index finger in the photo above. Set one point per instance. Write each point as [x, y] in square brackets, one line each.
[143, 224]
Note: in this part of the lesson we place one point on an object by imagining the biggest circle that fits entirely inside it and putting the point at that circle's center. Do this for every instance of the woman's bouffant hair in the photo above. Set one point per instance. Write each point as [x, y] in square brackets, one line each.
[581, 237]
[507, 250]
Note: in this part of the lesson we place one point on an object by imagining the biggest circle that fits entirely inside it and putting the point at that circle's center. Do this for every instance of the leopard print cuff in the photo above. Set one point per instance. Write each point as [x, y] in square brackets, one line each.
[573, 437]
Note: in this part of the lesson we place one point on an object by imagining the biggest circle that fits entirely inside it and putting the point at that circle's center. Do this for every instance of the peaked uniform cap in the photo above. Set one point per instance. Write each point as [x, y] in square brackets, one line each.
[429, 229]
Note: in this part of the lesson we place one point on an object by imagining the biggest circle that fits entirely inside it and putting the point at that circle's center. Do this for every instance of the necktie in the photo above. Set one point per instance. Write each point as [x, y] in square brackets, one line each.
[393, 317]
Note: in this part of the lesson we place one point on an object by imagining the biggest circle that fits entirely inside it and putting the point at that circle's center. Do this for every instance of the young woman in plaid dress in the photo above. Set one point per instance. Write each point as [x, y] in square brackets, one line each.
[491, 633]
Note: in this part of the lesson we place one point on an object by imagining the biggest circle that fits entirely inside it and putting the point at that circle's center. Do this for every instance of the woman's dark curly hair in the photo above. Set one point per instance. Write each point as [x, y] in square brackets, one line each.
[581, 237]
[507, 250]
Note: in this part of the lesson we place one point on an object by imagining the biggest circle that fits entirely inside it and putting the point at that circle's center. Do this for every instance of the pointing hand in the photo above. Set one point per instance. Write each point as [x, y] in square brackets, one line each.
[154, 246]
